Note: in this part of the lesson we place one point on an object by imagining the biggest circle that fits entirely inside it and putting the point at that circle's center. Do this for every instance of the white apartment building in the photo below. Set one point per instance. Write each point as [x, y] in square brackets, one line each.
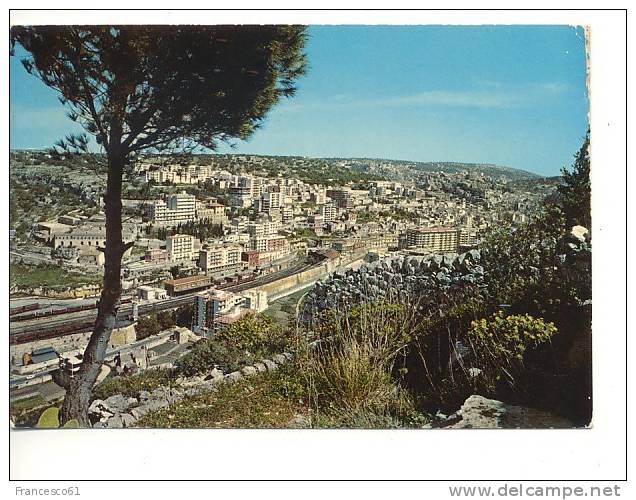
[263, 228]
[178, 208]
[329, 212]
[180, 247]
[219, 257]
[270, 201]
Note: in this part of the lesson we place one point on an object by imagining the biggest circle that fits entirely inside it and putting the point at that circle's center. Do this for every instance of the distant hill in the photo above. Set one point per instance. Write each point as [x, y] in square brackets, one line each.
[485, 168]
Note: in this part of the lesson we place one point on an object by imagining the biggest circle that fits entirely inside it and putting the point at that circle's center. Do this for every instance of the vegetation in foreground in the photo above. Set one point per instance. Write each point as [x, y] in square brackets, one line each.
[397, 364]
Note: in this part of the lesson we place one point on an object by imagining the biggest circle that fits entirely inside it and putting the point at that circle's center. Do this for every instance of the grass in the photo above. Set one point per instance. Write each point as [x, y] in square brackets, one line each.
[346, 381]
[267, 400]
[26, 412]
[130, 386]
[48, 276]
[26, 404]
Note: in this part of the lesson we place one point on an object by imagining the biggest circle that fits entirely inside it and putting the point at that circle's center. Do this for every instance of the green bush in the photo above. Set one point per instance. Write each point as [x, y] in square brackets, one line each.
[498, 346]
[208, 353]
[50, 419]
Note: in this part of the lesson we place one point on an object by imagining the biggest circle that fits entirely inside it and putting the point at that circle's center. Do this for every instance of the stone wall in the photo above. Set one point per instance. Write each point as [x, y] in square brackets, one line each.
[397, 278]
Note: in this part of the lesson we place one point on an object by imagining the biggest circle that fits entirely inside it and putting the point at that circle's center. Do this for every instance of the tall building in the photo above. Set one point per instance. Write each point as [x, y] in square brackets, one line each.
[329, 212]
[180, 247]
[270, 201]
[178, 208]
[342, 197]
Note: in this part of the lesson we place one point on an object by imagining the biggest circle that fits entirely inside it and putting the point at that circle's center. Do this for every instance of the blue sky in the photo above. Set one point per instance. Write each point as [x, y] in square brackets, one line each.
[509, 95]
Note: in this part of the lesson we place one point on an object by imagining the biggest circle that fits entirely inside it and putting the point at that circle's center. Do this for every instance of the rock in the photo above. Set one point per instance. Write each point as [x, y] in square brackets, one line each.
[215, 373]
[299, 422]
[478, 412]
[117, 402]
[260, 367]
[115, 422]
[233, 377]
[580, 233]
[248, 370]
[279, 359]
[271, 366]
[127, 420]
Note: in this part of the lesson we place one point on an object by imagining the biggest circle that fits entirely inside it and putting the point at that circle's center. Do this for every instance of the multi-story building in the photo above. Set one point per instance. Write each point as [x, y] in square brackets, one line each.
[87, 236]
[328, 211]
[217, 308]
[180, 247]
[220, 257]
[178, 208]
[211, 211]
[157, 256]
[262, 228]
[270, 201]
[433, 239]
[342, 197]
[269, 244]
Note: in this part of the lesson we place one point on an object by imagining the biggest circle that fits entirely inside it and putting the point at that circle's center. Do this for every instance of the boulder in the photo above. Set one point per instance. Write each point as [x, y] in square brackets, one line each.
[233, 377]
[248, 370]
[118, 402]
[271, 366]
[478, 412]
[279, 359]
[580, 233]
[127, 420]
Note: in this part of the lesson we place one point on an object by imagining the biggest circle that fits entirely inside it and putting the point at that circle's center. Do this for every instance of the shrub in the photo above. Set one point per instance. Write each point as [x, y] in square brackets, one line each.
[50, 419]
[209, 353]
[348, 373]
[498, 346]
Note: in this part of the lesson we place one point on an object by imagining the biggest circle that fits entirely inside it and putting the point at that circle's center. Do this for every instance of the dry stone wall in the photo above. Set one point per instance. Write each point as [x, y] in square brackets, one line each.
[400, 278]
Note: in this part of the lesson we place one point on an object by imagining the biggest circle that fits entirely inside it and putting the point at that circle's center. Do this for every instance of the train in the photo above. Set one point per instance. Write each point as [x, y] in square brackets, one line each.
[22, 309]
[35, 312]
[48, 333]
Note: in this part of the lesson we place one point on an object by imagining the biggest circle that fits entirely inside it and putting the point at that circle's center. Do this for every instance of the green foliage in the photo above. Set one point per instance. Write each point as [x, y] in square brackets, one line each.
[209, 353]
[349, 372]
[521, 264]
[202, 83]
[253, 333]
[48, 276]
[50, 418]
[268, 400]
[576, 189]
[131, 385]
[498, 346]
[244, 342]
[147, 326]
[153, 324]
[202, 229]
[183, 315]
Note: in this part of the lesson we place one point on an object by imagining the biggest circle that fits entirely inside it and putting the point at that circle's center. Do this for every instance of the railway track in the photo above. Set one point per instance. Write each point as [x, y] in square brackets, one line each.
[83, 321]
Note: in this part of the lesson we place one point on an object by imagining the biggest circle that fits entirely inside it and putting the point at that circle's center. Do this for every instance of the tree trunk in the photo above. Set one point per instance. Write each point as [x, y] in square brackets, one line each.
[79, 390]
